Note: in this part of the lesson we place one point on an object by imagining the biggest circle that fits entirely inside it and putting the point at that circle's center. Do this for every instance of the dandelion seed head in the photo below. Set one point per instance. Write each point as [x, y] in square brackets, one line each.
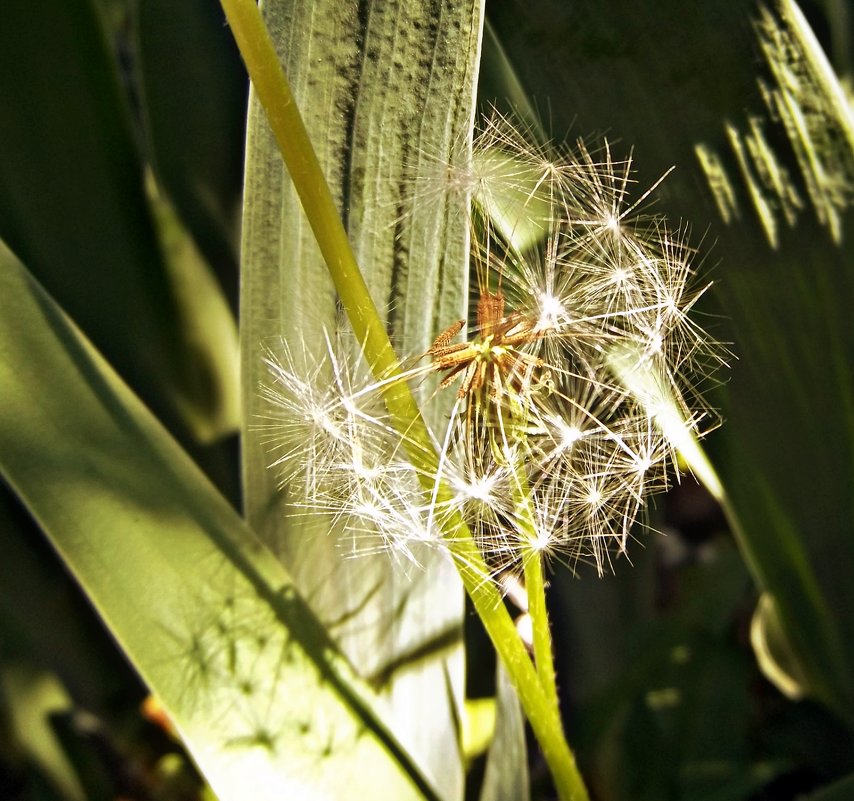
[367, 510]
[542, 541]
[361, 467]
[322, 420]
[612, 222]
[655, 342]
[573, 391]
[620, 276]
[642, 464]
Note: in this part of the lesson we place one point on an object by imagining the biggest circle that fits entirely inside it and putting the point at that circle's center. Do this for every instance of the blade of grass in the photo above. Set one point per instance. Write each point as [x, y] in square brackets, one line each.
[67, 127]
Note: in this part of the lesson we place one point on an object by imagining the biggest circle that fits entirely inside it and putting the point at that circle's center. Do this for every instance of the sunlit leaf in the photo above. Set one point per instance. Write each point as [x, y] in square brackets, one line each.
[31, 697]
[209, 618]
[773, 651]
[387, 94]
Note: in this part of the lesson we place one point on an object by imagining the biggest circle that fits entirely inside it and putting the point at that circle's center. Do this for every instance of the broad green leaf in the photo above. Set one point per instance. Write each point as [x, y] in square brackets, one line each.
[738, 99]
[73, 206]
[210, 619]
[208, 326]
[387, 95]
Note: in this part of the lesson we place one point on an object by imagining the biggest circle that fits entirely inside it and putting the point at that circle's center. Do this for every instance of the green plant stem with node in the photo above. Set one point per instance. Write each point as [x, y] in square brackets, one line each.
[537, 697]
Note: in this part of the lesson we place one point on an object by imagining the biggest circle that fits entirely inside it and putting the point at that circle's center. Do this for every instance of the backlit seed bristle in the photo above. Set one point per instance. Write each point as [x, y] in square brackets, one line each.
[573, 386]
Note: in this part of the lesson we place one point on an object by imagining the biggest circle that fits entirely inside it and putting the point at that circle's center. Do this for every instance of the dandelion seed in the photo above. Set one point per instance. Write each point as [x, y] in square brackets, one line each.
[569, 434]
[553, 315]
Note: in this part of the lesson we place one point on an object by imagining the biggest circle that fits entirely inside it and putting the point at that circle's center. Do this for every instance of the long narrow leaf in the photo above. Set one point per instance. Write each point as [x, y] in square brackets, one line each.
[387, 93]
[210, 619]
[73, 206]
[189, 70]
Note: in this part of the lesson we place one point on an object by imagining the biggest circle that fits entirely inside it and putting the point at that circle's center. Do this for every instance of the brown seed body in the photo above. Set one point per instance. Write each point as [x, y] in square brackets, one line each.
[493, 359]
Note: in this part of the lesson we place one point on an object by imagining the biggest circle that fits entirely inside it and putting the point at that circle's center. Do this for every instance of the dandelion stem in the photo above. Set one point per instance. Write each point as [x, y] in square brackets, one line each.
[536, 588]
[275, 95]
[543, 657]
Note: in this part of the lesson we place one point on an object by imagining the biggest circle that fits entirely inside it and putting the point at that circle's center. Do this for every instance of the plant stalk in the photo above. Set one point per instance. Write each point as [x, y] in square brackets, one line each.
[537, 609]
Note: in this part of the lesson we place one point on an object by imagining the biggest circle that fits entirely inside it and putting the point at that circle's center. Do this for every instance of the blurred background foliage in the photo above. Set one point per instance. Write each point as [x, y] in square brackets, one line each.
[122, 127]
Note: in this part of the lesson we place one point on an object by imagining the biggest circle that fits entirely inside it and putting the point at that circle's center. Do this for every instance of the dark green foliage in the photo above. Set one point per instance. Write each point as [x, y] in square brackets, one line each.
[662, 694]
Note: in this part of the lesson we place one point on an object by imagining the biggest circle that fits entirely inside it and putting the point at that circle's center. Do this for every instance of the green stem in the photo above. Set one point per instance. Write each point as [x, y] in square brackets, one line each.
[273, 91]
[538, 706]
[532, 553]
[535, 586]
[543, 656]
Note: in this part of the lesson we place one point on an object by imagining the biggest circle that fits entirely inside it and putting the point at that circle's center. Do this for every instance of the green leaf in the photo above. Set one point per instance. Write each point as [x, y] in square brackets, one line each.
[208, 327]
[762, 146]
[31, 697]
[193, 92]
[838, 791]
[45, 621]
[73, 206]
[387, 95]
[519, 209]
[212, 622]
[498, 85]
[773, 651]
[506, 777]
